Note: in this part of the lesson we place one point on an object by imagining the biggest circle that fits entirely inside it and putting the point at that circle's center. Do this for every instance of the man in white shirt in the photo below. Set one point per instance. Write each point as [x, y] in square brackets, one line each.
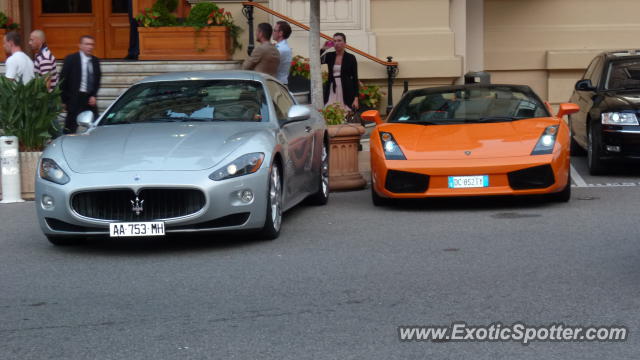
[19, 66]
[281, 33]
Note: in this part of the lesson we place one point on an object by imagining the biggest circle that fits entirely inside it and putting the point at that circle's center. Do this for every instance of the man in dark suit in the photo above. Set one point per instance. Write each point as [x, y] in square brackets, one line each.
[80, 82]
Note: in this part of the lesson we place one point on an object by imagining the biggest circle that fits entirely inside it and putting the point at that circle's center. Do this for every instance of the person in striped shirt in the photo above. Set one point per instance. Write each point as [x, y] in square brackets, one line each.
[44, 63]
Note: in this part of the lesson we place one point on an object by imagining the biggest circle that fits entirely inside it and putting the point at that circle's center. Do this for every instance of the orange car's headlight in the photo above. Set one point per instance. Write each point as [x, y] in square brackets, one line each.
[390, 147]
[547, 141]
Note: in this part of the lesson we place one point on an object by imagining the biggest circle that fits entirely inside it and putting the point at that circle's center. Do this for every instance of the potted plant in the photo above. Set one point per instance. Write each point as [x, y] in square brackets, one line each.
[29, 112]
[344, 140]
[369, 99]
[6, 24]
[162, 35]
[300, 74]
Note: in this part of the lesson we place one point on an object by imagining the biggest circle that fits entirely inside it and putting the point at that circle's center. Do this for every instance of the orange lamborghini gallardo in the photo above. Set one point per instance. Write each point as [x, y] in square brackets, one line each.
[470, 140]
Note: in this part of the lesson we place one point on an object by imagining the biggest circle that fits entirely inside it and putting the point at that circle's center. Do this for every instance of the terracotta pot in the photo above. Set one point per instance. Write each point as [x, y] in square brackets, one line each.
[2, 55]
[343, 157]
[185, 43]
[28, 170]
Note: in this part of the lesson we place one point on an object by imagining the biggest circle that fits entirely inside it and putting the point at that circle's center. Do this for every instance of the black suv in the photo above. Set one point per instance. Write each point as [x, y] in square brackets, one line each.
[609, 97]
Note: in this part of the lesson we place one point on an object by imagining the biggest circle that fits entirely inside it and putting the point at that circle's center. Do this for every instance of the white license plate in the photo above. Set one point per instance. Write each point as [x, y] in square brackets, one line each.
[136, 229]
[456, 182]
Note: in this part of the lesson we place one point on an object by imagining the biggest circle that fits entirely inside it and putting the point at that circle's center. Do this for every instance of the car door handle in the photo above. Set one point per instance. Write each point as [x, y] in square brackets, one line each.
[308, 129]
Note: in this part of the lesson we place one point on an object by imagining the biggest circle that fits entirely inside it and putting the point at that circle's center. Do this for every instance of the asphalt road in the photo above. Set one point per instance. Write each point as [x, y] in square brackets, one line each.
[336, 284]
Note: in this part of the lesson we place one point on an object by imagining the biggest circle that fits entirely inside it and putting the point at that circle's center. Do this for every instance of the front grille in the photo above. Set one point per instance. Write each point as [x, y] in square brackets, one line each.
[538, 177]
[406, 182]
[155, 204]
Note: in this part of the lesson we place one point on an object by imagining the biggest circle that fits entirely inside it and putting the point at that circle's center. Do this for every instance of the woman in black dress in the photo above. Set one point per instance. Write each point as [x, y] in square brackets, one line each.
[342, 86]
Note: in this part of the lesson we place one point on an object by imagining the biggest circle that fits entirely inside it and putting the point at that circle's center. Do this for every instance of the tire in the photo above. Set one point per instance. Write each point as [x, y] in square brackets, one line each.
[321, 197]
[64, 241]
[273, 222]
[565, 194]
[594, 152]
[575, 148]
[377, 199]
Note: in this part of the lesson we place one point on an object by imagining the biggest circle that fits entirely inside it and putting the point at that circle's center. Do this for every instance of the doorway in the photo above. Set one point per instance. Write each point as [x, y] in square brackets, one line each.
[64, 21]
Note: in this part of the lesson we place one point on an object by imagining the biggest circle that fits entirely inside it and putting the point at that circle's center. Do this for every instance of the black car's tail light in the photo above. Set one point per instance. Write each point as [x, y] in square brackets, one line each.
[406, 182]
[538, 177]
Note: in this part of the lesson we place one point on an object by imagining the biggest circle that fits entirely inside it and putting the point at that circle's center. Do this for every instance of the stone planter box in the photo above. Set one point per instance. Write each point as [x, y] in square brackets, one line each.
[28, 171]
[343, 157]
[185, 43]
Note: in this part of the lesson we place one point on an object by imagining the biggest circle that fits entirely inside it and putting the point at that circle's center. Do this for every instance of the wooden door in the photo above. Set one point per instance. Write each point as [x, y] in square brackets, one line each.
[116, 29]
[64, 21]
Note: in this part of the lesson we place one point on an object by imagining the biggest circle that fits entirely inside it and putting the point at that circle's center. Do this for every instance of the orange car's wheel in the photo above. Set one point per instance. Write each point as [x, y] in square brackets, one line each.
[565, 194]
[377, 199]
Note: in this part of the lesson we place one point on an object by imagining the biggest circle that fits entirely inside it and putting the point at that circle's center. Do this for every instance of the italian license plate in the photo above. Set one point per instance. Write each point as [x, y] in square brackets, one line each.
[456, 182]
[136, 229]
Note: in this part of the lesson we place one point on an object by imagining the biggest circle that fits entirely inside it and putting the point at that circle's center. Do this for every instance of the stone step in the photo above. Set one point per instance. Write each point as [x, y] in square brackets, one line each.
[119, 75]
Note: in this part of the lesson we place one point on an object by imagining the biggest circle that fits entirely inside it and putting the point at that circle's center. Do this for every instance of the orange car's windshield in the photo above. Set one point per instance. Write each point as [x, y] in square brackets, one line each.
[468, 105]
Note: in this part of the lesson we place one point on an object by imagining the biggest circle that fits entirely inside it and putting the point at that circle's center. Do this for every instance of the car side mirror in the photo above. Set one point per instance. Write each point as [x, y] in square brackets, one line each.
[585, 85]
[85, 118]
[298, 113]
[372, 116]
[566, 109]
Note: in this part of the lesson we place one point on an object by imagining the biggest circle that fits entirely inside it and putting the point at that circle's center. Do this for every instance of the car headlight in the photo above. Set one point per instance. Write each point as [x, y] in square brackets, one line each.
[547, 141]
[619, 118]
[49, 170]
[391, 149]
[245, 164]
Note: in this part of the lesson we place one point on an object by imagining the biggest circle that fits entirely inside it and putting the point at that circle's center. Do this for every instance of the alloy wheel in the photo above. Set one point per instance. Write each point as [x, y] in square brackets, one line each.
[275, 197]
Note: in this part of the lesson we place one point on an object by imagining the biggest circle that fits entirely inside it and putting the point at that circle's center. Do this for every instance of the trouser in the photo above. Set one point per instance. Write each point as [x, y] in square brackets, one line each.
[75, 106]
[134, 46]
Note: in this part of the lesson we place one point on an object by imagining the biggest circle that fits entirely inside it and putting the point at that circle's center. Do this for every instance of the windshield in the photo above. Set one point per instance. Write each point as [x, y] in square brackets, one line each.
[623, 75]
[190, 100]
[468, 105]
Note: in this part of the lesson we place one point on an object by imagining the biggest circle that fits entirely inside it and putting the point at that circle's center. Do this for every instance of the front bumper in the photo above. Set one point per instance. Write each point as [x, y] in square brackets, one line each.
[222, 210]
[621, 141]
[497, 170]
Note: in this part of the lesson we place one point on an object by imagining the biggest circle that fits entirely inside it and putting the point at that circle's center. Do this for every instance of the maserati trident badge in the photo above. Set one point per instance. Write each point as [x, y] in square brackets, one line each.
[136, 206]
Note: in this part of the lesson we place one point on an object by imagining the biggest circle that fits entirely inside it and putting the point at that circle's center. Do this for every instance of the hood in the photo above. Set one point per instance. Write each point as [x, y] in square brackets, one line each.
[623, 100]
[158, 146]
[450, 142]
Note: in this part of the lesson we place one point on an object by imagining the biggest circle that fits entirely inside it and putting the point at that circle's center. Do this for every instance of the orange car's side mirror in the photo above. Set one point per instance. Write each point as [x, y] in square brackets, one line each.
[372, 115]
[566, 109]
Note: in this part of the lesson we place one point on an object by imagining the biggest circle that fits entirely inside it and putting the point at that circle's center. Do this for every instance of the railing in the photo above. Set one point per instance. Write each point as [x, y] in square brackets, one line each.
[392, 66]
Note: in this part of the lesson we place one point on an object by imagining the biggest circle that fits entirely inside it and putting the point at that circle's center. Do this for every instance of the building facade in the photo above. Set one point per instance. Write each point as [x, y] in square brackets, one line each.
[546, 44]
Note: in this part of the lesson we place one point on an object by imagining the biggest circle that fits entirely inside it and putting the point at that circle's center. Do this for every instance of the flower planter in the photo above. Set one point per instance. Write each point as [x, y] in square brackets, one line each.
[343, 157]
[185, 43]
[28, 171]
[2, 55]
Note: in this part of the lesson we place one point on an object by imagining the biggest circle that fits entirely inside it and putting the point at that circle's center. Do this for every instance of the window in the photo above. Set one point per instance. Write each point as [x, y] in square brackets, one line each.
[469, 104]
[623, 74]
[66, 6]
[119, 6]
[282, 101]
[191, 100]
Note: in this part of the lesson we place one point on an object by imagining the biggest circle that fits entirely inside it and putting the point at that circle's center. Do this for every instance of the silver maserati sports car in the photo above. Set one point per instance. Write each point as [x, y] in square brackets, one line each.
[181, 153]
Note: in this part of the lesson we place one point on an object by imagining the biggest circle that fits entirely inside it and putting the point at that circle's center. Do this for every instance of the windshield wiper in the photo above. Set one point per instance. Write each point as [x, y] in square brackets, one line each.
[495, 119]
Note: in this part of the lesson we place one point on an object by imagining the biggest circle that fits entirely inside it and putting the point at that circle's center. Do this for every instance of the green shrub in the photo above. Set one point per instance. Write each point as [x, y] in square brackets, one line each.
[29, 111]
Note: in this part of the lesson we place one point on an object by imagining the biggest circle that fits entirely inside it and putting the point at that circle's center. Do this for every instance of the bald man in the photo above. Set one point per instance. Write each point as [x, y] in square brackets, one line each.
[44, 63]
